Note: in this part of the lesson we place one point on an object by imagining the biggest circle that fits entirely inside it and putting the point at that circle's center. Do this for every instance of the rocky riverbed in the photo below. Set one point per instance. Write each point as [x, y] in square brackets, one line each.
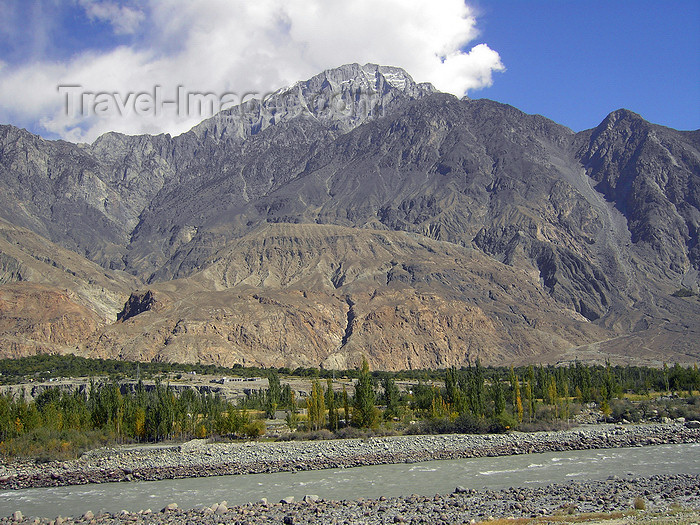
[198, 458]
[655, 493]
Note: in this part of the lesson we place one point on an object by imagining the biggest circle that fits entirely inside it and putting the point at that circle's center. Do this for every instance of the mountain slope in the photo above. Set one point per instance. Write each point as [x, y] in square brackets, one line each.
[51, 299]
[652, 174]
[304, 294]
[360, 212]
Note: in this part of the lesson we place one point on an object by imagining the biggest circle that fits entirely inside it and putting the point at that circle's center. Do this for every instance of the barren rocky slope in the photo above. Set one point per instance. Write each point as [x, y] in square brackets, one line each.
[359, 212]
[300, 295]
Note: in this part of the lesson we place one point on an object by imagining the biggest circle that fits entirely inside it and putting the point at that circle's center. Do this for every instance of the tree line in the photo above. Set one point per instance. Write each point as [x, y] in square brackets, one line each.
[467, 399]
[118, 414]
[473, 398]
[636, 379]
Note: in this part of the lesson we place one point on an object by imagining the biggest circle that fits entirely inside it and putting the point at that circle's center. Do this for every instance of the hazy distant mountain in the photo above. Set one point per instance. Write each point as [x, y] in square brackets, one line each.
[359, 213]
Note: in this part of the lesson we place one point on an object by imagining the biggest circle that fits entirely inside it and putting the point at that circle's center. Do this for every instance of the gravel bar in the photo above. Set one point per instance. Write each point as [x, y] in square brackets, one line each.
[658, 493]
[199, 458]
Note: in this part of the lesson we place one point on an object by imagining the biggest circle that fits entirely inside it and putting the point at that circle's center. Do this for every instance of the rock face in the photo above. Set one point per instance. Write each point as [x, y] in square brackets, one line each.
[652, 176]
[361, 213]
[40, 319]
[137, 304]
[344, 292]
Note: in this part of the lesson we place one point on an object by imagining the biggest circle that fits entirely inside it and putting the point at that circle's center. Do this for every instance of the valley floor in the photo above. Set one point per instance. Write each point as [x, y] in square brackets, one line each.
[668, 499]
[199, 458]
[662, 496]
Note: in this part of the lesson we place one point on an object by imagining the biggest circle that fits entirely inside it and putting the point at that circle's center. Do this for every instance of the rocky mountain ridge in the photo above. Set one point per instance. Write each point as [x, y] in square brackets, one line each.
[361, 213]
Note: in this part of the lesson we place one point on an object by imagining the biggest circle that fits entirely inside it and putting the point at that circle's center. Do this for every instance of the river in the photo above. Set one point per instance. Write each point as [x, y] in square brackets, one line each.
[427, 478]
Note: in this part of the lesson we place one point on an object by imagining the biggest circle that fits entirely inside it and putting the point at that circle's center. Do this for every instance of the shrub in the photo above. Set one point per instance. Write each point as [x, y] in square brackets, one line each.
[464, 424]
[625, 409]
[321, 434]
[351, 433]
[254, 429]
[639, 504]
[44, 445]
[502, 423]
[543, 426]
[469, 424]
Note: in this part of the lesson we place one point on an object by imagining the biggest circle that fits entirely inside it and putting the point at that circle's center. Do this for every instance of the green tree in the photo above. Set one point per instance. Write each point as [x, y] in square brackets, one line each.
[453, 390]
[187, 411]
[292, 418]
[286, 397]
[475, 389]
[332, 406]
[499, 398]
[530, 399]
[274, 393]
[566, 402]
[238, 420]
[346, 406]
[316, 406]
[518, 402]
[391, 397]
[160, 412]
[610, 382]
[365, 413]
[552, 395]
[513, 379]
[6, 423]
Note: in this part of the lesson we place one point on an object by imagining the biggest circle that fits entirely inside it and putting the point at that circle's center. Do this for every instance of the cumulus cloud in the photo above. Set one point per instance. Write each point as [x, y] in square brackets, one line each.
[237, 46]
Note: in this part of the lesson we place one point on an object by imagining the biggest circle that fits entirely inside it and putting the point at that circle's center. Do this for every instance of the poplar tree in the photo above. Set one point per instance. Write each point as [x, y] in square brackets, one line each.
[346, 406]
[552, 395]
[332, 408]
[499, 398]
[566, 403]
[475, 389]
[529, 399]
[316, 406]
[518, 402]
[365, 414]
[293, 413]
[391, 397]
[453, 390]
[512, 379]
[274, 393]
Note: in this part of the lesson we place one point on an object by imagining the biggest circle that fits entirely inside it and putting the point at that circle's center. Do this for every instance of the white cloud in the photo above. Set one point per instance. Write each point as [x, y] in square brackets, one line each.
[462, 72]
[241, 46]
[124, 20]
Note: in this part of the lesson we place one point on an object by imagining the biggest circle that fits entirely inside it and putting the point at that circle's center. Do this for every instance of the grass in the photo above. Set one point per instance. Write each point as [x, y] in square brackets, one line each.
[674, 516]
[578, 518]
[45, 445]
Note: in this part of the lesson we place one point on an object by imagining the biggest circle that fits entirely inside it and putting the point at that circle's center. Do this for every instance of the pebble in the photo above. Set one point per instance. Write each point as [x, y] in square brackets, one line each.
[462, 506]
[198, 458]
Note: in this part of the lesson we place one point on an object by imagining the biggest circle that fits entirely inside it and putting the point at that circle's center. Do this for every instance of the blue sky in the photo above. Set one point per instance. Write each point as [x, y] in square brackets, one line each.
[571, 61]
[576, 61]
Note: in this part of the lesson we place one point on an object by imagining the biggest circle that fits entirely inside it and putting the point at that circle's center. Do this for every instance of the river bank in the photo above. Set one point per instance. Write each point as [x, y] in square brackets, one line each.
[198, 458]
[655, 493]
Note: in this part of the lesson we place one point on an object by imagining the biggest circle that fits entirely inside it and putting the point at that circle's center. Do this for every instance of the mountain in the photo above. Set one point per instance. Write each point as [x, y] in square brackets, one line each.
[359, 213]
